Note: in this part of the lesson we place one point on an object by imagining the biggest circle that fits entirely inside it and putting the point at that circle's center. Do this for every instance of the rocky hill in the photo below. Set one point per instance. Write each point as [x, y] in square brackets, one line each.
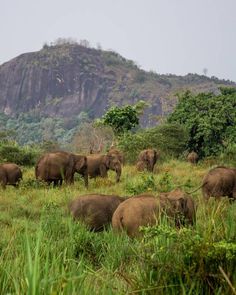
[64, 81]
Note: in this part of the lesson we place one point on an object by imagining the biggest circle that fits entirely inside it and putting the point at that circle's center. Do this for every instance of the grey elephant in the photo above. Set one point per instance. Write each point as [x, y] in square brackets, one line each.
[146, 209]
[135, 212]
[58, 166]
[192, 157]
[147, 160]
[98, 165]
[116, 153]
[95, 210]
[219, 182]
[181, 206]
[10, 174]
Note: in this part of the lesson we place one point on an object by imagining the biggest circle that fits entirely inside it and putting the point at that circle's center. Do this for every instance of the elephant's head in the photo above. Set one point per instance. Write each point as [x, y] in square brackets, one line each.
[80, 163]
[114, 164]
[149, 156]
[81, 167]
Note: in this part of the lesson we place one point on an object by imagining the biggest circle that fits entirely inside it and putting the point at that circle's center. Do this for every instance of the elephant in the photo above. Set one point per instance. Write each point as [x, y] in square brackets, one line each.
[116, 153]
[98, 165]
[219, 182]
[146, 209]
[147, 159]
[11, 174]
[192, 157]
[134, 212]
[181, 207]
[56, 166]
[95, 210]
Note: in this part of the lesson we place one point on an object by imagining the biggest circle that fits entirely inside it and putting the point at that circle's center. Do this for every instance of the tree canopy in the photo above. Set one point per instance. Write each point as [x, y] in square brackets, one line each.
[121, 119]
[210, 120]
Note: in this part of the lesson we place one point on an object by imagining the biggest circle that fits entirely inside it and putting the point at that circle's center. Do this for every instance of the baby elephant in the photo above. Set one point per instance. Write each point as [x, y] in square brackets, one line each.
[192, 158]
[137, 211]
[146, 209]
[95, 210]
[10, 173]
[180, 206]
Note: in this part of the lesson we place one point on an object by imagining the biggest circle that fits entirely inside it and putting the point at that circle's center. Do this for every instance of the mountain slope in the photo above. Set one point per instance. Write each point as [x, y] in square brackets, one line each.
[63, 81]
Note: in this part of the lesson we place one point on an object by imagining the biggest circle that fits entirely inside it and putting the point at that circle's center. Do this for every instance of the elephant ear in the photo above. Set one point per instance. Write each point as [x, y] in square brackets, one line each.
[156, 154]
[146, 156]
[107, 160]
[80, 163]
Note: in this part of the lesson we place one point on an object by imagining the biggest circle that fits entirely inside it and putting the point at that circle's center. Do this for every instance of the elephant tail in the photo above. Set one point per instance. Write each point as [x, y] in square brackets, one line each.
[197, 188]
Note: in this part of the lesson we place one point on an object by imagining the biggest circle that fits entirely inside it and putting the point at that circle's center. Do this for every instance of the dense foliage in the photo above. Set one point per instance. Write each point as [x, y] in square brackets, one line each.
[210, 120]
[169, 139]
[32, 128]
[121, 119]
[12, 152]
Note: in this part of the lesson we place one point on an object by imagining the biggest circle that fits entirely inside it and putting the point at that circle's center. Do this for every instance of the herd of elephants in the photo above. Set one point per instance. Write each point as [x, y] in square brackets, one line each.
[99, 210]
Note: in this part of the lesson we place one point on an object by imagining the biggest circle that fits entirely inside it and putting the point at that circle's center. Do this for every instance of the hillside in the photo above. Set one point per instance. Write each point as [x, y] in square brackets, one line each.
[48, 93]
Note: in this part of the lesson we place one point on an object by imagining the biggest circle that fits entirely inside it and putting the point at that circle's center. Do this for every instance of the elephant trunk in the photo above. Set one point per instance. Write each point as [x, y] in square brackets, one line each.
[151, 165]
[118, 173]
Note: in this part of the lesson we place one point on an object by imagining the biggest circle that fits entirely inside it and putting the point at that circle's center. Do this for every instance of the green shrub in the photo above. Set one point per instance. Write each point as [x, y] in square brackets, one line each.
[22, 156]
[183, 258]
[169, 139]
[143, 184]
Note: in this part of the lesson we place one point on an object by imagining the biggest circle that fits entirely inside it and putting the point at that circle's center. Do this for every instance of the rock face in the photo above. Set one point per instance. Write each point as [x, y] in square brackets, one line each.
[58, 81]
[67, 79]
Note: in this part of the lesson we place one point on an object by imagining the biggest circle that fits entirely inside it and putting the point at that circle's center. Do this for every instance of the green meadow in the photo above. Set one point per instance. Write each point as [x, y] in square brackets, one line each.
[43, 251]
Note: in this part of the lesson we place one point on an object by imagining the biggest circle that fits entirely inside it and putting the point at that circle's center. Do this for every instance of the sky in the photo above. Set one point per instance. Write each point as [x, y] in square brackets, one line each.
[165, 36]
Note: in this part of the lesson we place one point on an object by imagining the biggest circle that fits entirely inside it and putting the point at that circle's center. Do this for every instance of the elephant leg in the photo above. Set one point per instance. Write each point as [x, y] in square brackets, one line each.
[103, 170]
[86, 180]
[3, 182]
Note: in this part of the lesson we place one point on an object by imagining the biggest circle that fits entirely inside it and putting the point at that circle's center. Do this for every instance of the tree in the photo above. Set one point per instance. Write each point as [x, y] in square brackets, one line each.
[210, 120]
[92, 139]
[121, 119]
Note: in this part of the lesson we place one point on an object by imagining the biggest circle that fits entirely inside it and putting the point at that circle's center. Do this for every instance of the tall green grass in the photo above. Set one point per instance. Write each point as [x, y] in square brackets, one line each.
[43, 251]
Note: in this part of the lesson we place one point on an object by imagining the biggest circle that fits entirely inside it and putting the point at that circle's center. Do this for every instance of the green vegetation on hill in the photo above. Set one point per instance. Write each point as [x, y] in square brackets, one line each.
[210, 120]
[30, 128]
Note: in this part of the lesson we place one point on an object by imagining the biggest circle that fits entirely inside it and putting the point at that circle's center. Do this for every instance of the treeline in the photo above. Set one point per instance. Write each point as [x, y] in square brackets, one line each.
[204, 123]
[30, 128]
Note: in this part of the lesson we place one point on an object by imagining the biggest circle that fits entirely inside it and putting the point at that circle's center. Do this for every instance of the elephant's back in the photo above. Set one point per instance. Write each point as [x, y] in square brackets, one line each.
[52, 165]
[135, 212]
[93, 164]
[12, 171]
[94, 210]
[219, 181]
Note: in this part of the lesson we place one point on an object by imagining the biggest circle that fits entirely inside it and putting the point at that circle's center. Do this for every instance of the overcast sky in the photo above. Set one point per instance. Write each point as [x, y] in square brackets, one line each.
[167, 36]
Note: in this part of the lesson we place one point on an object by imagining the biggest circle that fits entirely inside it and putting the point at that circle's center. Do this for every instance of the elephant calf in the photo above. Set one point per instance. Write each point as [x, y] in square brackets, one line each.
[10, 173]
[146, 209]
[181, 206]
[98, 165]
[137, 211]
[192, 157]
[116, 153]
[147, 160]
[95, 210]
[219, 182]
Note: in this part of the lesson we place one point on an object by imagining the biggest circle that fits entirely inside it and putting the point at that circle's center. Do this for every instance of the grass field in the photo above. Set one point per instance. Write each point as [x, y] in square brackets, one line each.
[42, 251]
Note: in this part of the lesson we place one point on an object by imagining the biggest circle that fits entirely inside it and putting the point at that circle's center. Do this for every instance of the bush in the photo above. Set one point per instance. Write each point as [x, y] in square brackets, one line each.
[143, 184]
[197, 261]
[22, 156]
[210, 120]
[169, 139]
